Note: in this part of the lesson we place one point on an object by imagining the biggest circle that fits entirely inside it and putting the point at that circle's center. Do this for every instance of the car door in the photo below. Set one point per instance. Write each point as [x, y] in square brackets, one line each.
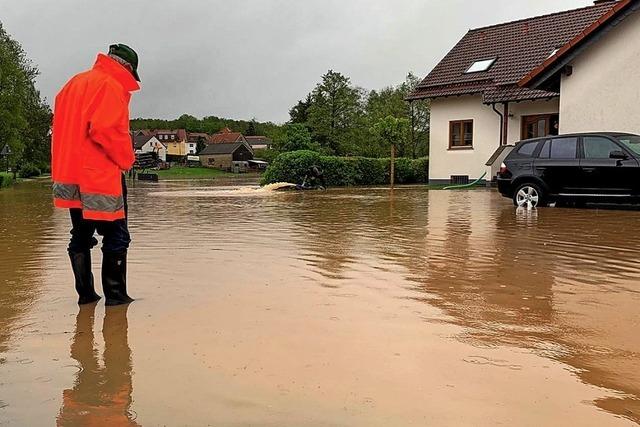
[558, 165]
[602, 174]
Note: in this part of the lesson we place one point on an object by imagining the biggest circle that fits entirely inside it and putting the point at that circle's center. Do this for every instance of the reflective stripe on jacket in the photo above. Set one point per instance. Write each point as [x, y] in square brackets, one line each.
[91, 145]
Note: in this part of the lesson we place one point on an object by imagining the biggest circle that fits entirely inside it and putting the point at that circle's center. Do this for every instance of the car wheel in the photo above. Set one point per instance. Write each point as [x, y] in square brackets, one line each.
[529, 196]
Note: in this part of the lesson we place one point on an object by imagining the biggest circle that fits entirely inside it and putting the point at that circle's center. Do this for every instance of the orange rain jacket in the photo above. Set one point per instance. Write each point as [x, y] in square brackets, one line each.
[91, 145]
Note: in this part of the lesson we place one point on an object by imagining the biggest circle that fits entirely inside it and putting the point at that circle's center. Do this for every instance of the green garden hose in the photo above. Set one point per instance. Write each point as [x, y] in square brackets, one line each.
[455, 187]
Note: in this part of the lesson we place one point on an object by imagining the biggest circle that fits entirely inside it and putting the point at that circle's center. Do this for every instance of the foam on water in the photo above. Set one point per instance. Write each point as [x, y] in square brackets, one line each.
[238, 191]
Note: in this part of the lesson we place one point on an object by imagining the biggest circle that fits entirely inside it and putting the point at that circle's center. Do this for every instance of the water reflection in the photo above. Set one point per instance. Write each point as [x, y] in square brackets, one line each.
[293, 304]
[25, 227]
[101, 394]
[560, 282]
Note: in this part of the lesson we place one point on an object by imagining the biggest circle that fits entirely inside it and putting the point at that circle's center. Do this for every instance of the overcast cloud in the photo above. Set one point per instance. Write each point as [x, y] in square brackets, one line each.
[250, 58]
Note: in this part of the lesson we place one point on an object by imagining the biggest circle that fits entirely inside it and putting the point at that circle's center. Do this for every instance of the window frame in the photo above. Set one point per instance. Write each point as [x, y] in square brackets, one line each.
[462, 124]
[550, 140]
[490, 63]
[534, 118]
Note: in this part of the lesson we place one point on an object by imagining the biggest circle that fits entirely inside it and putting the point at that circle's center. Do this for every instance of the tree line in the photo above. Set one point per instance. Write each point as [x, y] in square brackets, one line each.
[25, 117]
[210, 125]
[341, 119]
[336, 118]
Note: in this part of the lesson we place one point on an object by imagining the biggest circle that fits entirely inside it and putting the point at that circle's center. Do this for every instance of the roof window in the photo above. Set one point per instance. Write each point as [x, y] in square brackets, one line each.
[480, 66]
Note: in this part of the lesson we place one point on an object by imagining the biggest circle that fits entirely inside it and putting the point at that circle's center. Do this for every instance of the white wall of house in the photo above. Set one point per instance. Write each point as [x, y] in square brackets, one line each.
[445, 162]
[153, 145]
[603, 93]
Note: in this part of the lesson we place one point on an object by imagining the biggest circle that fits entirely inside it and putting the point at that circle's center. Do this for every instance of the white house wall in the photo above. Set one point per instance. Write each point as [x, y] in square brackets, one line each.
[603, 93]
[443, 162]
[521, 109]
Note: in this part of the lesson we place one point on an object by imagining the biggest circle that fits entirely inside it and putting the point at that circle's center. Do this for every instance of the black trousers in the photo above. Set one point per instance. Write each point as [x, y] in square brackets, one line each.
[115, 234]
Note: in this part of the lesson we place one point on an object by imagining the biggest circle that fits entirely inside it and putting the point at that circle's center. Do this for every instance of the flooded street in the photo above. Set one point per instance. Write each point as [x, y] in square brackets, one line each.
[351, 307]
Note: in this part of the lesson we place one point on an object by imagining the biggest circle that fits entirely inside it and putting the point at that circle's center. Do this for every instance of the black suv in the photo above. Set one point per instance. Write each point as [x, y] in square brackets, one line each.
[586, 167]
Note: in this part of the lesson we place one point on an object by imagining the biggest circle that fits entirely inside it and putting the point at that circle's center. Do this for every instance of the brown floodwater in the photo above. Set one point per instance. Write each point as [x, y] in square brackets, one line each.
[351, 307]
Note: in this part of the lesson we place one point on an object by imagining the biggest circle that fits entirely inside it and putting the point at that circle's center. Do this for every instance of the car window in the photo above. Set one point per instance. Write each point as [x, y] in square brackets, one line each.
[597, 147]
[564, 148]
[631, 141]
[545, 153]
[528, 148]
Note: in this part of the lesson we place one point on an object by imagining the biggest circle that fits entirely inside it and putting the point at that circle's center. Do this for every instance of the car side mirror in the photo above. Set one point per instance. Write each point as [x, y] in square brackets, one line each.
[618, 155]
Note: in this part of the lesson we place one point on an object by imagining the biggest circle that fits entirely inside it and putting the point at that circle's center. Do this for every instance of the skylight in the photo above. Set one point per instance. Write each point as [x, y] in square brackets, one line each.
[480, 66]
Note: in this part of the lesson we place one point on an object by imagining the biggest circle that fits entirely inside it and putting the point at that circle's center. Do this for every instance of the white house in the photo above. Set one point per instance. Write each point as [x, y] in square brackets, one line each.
[572, 71]
[150, 144]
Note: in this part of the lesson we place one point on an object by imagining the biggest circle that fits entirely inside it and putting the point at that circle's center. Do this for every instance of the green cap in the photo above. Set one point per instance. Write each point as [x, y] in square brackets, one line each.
[125, 52]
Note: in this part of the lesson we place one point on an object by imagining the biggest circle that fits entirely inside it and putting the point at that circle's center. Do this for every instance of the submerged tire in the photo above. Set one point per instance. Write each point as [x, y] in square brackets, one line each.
[529, 196]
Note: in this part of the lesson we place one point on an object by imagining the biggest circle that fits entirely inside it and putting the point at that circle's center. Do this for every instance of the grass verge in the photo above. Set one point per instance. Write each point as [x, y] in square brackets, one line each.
[178, 172]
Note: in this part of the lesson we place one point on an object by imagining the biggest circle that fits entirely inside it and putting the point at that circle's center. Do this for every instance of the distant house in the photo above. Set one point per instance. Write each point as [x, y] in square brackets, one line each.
[227, 136]
[222, 155]
[175, 141]
[259, 142]
[195, 138]
[150, 144]
[572, 71]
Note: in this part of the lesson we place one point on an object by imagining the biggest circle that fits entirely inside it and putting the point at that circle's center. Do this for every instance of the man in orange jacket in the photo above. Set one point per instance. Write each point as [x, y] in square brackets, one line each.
[91, 148]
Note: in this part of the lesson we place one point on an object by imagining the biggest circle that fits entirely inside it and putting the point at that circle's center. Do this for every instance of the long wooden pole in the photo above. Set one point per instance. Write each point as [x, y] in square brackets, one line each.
[393, 164]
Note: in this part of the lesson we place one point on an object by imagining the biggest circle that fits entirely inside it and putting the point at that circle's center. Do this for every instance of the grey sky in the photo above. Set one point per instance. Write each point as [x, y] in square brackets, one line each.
[250, 58]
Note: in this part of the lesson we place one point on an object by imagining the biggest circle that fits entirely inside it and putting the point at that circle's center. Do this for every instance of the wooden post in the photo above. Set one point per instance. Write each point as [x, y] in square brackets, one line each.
[393, 164]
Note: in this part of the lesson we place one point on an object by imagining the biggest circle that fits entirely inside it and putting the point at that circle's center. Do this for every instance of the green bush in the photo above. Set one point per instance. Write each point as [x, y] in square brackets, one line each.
[29, 170]
[345, 171]
[6, 179]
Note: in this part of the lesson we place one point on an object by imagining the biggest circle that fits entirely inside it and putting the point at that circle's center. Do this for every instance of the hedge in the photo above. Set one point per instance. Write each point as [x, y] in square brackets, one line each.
[345, 171]
[29, 170]
[6, 179]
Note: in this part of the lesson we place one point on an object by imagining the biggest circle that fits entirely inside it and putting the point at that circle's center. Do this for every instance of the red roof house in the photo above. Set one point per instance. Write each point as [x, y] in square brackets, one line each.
[530, 78]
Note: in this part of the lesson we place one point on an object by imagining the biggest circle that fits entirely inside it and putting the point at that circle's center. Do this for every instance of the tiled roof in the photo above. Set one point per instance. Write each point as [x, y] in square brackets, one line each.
[225, 136]
[563, 53]
[518, 48]
[181, 134]
[221, 148]
[140, 140]
[196, 136]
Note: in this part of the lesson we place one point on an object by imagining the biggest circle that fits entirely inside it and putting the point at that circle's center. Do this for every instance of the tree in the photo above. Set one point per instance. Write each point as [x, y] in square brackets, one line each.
[296, 137]
[392, 131]
[299, 113]
[200, 145]
[420, 116]
[25, 118]
[334, 113]
[251, 129]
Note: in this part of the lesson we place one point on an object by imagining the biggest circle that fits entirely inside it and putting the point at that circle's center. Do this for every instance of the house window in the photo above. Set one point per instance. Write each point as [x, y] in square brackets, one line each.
[461, 134]
[480, 66]
[211, 160]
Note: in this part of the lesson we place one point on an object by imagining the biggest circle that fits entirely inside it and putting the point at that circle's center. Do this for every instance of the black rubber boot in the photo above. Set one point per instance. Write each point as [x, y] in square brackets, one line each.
[81, 265]
[114, 278]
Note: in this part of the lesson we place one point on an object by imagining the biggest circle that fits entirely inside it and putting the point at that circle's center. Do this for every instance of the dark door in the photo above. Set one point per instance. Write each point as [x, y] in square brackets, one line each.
[603, 175]
[539, 126]
[558, 165]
